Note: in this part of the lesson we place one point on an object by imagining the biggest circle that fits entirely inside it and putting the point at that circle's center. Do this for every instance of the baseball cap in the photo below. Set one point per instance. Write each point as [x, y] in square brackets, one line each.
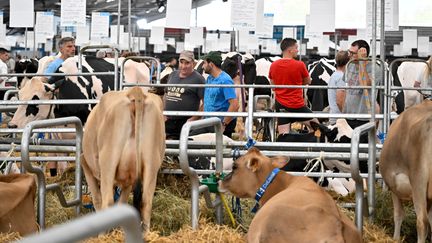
[187, 55]
[214, 56]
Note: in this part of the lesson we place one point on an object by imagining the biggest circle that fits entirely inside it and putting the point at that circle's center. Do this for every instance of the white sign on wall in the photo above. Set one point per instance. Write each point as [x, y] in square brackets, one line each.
[391, 15]
[196, 36]
[1, 17]
[73, 13]
[100, 25]
[322, 16]
[82, 35]
[409, 40]
[289, 32]
[178, 13]
[244, 14]
[21, 13]
[113, 34]
[157, 35]
[2, 34]
[44, 26]
[265, 28]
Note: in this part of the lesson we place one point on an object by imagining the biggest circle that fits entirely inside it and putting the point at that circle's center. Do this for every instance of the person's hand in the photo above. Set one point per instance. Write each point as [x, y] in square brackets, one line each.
[362, 52]
[416, 84]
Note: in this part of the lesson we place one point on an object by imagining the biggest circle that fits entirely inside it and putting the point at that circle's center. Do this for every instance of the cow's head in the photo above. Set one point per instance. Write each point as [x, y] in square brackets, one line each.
[25, 66]
[35, 89]
[249, 172]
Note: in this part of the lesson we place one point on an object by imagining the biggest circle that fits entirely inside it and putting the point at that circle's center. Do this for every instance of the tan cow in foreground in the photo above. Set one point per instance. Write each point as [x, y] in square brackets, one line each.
[406, 165]
[124, 140]
[293, 209]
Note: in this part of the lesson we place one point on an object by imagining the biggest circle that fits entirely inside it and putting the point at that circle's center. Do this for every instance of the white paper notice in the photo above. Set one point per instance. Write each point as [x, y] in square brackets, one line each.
[423, 45]
[100, 25]
[142, 44]
[409, 40]
[82, 35]
[244, 14]
[322, 16]
[265, 28]
[49, 45]
[179, 47]
[1, 17]
[73, 13]
[157, 35]
[66, 34]
[224, 43]
[21, 13]
[160, 48]
[196, 36]
[178, 13]
[113, 35]
[289, 32]
[391, 14]
[44, 26]
[2, 34]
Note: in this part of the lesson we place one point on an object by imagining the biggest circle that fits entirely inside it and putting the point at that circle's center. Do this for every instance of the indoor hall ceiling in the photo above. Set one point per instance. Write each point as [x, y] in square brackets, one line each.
[147, 9]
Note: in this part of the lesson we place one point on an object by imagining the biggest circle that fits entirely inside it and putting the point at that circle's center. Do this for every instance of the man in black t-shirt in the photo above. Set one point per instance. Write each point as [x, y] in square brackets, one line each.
[183, 98]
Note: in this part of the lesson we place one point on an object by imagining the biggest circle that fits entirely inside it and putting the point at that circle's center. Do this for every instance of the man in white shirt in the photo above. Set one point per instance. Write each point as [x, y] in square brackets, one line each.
[4, 56]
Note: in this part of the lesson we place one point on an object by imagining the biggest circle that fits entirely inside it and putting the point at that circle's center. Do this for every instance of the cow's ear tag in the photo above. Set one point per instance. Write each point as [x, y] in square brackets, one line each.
[317, 133]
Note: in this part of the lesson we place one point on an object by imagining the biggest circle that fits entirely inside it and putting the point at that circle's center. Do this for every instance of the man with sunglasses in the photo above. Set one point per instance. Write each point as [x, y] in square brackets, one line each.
[359, 73]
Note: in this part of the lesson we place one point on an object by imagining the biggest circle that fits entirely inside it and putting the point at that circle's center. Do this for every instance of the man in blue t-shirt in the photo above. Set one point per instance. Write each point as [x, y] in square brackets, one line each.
[219, 99]
[67, 49]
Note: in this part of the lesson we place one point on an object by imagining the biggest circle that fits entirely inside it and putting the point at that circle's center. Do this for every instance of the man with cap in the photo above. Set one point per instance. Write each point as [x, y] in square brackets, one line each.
[183, 98]
[219, 99]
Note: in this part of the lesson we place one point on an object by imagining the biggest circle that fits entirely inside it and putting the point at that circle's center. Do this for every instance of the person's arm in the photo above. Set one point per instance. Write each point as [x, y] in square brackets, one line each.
[305, 74]
[233, 107]
[340, 99]
[362, 53]
[200, 108]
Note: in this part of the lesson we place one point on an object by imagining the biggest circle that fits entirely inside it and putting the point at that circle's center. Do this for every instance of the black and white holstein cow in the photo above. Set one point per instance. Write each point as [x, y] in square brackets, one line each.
[73, 87]
[31, 66]
[320, 72]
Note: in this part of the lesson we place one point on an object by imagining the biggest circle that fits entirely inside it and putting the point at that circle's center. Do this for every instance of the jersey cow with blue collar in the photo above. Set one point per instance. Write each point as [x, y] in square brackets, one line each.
[73, 87]
[289, 206]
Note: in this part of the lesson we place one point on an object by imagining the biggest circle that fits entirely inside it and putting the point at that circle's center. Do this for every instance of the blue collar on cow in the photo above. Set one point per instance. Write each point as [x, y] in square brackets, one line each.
[263, 188]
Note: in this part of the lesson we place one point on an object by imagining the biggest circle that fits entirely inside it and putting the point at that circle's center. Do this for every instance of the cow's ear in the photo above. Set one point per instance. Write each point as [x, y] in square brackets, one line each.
[253, 164]
[279, 161]
[49, 87]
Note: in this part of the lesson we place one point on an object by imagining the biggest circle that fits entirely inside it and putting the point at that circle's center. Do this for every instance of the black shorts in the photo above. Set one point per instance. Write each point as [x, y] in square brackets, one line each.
[173, 127]
[285, 120]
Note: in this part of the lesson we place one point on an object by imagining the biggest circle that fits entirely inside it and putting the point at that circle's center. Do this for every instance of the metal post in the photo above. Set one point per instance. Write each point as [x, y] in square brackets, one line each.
[25, 154]
[25, 41]
[129, 25]
[184, 163]
[372, 137]
[92, 224]
[118, 22]
[251, 106]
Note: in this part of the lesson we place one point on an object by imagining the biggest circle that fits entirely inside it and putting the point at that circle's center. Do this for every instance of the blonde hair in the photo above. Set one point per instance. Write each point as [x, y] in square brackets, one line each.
[428, 68]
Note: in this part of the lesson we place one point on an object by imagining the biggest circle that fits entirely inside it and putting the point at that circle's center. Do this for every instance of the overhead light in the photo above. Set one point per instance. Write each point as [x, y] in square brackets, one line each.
[161, 7]
[148, 10]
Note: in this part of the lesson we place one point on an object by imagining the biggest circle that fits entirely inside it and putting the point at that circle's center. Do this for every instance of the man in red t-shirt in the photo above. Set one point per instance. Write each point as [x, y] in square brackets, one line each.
[288, 71]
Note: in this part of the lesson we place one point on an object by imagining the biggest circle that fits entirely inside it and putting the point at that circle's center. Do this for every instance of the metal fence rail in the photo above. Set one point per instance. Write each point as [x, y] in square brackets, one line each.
[90, 225]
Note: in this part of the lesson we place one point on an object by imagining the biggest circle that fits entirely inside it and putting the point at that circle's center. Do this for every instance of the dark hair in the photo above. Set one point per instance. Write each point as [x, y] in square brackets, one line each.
[217, 64]
[3, 50]
[287, 43]
[342, 58]
[360, 44]
[63, 41]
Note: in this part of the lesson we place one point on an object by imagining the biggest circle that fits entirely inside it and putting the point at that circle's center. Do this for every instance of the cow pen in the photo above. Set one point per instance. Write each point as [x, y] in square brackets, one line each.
[353, 151]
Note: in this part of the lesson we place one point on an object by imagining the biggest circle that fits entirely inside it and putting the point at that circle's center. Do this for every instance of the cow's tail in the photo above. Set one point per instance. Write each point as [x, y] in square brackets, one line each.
[137, 98]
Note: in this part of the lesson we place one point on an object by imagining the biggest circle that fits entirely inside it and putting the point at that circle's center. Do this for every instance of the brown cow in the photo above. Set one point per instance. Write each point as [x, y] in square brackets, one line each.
[124, 140]
[406, 165]
[17, 208]
[293, 209]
